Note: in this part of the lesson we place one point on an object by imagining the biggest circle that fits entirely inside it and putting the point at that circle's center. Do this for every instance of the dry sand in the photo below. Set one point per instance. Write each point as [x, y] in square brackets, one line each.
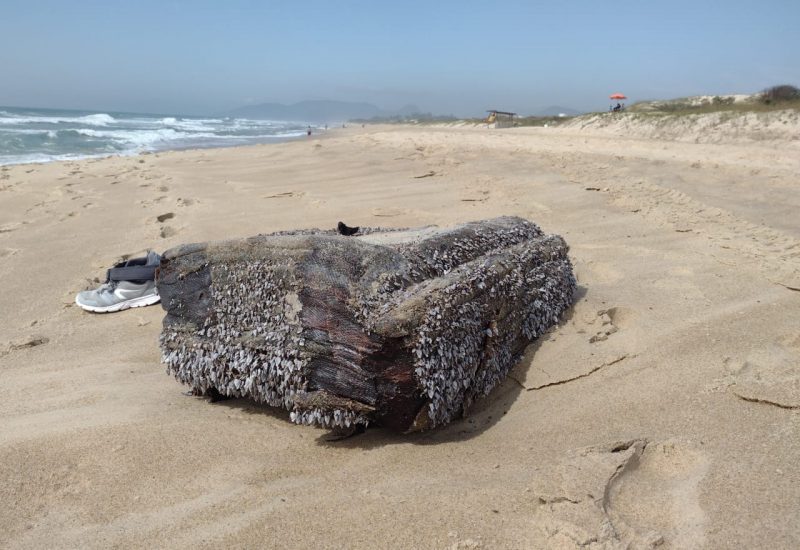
[664, 410]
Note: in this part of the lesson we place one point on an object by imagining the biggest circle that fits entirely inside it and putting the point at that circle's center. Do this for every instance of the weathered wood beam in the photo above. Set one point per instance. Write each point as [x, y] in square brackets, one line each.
[403, 328]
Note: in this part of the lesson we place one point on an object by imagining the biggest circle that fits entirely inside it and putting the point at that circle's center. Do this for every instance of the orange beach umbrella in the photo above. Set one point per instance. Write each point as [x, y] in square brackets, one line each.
[617, 96]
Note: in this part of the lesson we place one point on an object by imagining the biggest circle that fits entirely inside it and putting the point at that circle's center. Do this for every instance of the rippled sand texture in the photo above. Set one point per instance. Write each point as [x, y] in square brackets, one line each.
[664, 409]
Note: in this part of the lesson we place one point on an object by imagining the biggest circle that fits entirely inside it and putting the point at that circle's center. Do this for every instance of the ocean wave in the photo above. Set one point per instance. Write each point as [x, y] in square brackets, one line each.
[28, 132]
[253, 123]
[30, 158]
[141, 138]
[97, 119]
[27, 136]
[147, 137]
[192, 124]
[282, 135]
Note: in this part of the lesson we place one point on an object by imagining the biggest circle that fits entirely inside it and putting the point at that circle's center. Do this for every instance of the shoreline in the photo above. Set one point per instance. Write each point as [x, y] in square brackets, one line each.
[30, 136]
[276, 140]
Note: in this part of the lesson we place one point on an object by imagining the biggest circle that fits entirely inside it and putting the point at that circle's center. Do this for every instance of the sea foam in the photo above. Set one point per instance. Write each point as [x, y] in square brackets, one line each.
[40, 135]
[98, 119]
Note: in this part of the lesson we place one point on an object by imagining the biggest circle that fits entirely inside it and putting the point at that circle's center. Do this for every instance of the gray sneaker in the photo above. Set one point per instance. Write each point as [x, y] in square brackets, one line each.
[128, 284]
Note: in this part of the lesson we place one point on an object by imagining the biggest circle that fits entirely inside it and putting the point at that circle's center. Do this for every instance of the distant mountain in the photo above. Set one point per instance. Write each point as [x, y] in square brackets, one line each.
[555, 110]
[308, 111]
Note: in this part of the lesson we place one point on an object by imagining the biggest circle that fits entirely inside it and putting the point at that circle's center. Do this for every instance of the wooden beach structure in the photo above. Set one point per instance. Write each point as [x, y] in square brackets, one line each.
[402, 328]
[500, 119]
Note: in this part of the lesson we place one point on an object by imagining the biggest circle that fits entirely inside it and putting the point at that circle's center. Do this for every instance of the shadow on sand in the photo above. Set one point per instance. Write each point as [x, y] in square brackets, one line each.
[483, 415]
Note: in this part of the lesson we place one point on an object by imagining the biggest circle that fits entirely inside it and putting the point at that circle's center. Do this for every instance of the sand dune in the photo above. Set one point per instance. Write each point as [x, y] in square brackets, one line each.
[780, 127]
[663, 411]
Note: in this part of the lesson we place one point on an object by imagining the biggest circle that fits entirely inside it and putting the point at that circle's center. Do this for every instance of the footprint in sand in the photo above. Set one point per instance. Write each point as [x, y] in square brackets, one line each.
[621, 317]
[767, 376]
[284, 195]
[576, 355]
[9, 227]
[42, 205]
[167, 232]
[608, 322]
[6, 252]
[186, 202]
[481, 195]
[25, 343]
[164, 217]
[146, 202]
[30, 342]
[601, 325]
[388, 212]
[428, 174]
[638, 494]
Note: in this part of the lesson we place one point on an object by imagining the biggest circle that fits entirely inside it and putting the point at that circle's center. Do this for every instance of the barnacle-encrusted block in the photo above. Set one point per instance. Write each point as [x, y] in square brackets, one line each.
[406, 328]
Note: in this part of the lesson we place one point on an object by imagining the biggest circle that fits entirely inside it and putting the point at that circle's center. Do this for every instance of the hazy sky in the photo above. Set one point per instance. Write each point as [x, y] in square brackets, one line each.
[458, 57]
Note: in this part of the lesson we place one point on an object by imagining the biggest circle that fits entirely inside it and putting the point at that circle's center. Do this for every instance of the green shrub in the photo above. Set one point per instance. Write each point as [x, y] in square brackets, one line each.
[784, 92]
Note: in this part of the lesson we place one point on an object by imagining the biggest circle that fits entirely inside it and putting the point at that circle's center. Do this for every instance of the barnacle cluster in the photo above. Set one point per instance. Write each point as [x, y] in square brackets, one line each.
[465, 346]
[251, 343]
[328, 418]
[478, 293]
[437, 256]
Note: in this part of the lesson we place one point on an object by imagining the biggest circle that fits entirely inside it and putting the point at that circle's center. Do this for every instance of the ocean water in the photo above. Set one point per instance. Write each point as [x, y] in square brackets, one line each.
[42, 135]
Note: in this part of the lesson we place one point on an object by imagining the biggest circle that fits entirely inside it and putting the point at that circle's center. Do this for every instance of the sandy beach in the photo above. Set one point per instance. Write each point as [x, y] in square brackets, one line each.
[663, 411]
